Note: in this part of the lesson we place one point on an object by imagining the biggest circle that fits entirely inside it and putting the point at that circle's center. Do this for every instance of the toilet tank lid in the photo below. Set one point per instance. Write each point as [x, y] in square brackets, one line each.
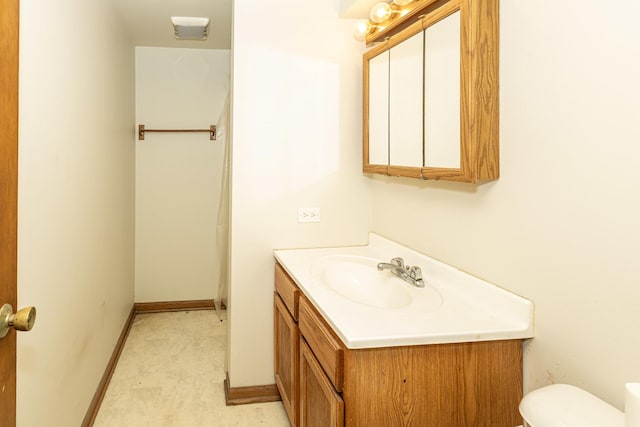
[564, 405]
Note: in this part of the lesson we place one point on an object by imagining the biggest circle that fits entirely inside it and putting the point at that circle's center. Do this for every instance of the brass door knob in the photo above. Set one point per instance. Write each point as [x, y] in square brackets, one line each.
[23, 320]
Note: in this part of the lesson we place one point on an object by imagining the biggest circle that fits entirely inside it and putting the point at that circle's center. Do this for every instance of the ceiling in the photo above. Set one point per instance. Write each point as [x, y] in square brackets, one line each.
[149, 21]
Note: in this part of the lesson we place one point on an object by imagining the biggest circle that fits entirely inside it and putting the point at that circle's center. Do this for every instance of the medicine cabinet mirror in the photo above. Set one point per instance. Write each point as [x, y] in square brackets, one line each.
[431, 95]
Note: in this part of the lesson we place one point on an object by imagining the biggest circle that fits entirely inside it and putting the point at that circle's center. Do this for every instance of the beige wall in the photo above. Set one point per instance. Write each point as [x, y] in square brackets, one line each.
[561, 226]
[356, 8]
[178, 174]
[76, 203]
[296, 143]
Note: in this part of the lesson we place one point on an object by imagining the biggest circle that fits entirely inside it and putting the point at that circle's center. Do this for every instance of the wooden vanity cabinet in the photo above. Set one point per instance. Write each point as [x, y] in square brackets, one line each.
[471, 384]
[286, 341]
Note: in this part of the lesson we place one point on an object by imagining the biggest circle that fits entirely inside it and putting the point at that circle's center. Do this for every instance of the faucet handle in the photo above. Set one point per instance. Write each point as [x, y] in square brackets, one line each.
[398, 261]
[415, 273]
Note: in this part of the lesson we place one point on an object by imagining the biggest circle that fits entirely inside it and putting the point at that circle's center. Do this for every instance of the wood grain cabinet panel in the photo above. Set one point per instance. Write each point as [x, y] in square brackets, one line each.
[320, 403]
[444, 385]
[286, 358]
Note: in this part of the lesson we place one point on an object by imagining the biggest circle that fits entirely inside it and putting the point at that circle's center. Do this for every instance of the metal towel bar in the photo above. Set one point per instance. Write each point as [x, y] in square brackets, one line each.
[142, 130]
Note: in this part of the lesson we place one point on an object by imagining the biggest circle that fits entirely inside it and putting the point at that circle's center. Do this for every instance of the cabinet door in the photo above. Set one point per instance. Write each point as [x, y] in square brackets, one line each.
[320, 404]
[442, 93]
[378, 104]
[286, 358]
[405, 102]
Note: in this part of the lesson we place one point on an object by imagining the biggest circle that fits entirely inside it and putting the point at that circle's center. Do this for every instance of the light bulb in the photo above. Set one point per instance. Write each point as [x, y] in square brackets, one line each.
[361, 30]
[402, 2]
[380, 12]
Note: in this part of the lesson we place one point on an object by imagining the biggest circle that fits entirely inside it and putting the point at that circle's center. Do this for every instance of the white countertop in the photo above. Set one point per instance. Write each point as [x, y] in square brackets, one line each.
[469, 309]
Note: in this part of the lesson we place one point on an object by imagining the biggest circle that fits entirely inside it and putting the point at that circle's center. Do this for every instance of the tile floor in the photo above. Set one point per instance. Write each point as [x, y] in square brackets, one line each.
[171, 373]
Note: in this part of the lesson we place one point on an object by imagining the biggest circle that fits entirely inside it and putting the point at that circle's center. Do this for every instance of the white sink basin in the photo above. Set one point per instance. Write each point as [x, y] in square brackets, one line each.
[357, 279]
[368, 308]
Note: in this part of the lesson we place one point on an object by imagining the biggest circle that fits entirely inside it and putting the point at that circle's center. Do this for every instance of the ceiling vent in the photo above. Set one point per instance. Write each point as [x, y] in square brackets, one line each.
[189, 28]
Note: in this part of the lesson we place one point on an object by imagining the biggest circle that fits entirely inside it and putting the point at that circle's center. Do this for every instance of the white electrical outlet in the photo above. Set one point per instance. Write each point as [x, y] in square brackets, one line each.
[308, 214]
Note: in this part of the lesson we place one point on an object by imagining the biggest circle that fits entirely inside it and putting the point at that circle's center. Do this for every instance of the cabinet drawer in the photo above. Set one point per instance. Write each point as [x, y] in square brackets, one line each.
[325, 345]
[287, 289]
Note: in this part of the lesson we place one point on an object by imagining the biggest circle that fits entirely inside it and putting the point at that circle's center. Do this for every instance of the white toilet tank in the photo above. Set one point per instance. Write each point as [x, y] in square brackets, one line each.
[563, 405]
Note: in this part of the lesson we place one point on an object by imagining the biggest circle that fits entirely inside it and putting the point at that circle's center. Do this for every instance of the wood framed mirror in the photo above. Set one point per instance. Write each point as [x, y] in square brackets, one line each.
[430, 98]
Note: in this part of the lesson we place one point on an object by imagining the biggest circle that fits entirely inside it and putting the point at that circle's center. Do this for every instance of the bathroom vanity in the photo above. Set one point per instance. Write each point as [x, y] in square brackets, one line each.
[448, 356]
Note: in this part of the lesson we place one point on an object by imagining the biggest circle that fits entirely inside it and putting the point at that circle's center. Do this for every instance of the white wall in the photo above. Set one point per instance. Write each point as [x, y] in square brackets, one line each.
[178, 174]
[76, 203]
[561, 225]
[296, 119]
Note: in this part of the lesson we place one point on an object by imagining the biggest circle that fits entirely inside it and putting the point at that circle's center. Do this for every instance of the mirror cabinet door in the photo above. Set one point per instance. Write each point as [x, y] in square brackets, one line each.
[442, 93]
[405, 102]
[378, 120]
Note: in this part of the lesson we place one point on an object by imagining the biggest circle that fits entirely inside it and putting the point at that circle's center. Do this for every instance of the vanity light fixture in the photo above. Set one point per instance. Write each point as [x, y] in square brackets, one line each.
[380, 12]
[190, 28]
[379, 16]
[363, 27]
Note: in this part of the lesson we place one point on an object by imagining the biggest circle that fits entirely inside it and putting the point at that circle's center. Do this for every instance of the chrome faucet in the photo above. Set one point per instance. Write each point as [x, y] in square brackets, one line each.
[410, 274]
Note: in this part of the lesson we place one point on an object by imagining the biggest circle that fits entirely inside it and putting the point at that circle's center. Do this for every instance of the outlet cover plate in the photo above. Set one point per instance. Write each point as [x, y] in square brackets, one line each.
[308, 214]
